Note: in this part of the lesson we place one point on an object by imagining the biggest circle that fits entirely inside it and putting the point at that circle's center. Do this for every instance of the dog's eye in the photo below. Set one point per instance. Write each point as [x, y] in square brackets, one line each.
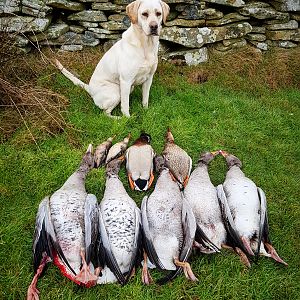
[145, 14]
[158, 14]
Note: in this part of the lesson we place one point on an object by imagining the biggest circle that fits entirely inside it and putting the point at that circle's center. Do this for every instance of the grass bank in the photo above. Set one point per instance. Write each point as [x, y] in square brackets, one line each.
[247, 105]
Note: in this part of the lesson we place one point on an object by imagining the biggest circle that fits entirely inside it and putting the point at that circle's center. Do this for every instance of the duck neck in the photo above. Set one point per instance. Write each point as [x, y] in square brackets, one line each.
[202, 170]
[83, 170]
[235, 171]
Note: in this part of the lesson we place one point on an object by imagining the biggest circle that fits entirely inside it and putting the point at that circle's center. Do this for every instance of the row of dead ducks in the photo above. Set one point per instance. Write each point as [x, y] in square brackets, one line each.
[104, 243]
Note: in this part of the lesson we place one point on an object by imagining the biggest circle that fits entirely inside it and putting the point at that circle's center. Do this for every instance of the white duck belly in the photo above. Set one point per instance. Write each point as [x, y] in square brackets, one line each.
[164, 216]
[202, 197]
[118, 212]
[67, 213]
[244, 204]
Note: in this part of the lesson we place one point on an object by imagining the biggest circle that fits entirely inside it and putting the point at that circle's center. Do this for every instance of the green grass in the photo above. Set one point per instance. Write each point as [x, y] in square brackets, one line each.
[254, 122]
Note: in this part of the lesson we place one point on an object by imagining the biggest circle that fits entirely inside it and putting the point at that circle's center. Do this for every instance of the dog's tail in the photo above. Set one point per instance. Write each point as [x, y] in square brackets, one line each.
[69, 75]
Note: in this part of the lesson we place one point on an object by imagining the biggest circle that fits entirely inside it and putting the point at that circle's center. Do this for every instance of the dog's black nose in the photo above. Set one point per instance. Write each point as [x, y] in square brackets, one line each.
[153, 27]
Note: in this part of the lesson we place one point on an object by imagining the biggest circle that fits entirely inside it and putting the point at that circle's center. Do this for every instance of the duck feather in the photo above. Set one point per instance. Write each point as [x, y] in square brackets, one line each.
[91, 228]
[45, 238]
[228, 220]
[147, 237]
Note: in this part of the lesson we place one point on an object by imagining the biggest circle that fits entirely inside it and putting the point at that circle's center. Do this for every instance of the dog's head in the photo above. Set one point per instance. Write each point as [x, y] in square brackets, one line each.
[148, 14]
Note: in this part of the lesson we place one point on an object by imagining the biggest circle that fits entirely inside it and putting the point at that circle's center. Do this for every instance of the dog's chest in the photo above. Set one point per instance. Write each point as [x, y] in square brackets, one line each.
[145, 70]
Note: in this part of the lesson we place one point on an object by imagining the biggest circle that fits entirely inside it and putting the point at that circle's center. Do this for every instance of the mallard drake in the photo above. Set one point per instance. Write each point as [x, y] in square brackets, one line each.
[139, 163]
[244, 209]
[120, 229]
[117, 149]
[101, 152]
[202, 197]
[66, 229]
[168, 227]
[177, 160]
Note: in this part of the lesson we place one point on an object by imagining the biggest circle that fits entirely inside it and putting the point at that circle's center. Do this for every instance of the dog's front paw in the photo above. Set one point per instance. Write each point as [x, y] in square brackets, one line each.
[145, 105]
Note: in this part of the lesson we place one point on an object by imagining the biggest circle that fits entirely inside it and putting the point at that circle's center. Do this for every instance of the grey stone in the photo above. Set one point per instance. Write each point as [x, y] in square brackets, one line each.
[34, 12]
[21, 41]
[190, 57]
[103, 36]
[258, 29]
[108, 6]
[77, 29]
[119, 18]
[53, 32]
[186, 23]
[10, 6]
[113, 25]
[211, 13]
[36, 8]
[261, 10]
[192, 12]
[89, 16]
[172, 15]
[72, 38]
[228, 45]
[89, 24]
[234, 3]
[282, 44]
[286, 35]
[23, 50]
[71, 48]
[65, 4]
[256, 37]
[24, 24]
[295, 17]
[287, 5]
[292, 24]
[179, 1]
[87, 1]
[100, 30]
[229, 18]
[196, 37]
[260, 45]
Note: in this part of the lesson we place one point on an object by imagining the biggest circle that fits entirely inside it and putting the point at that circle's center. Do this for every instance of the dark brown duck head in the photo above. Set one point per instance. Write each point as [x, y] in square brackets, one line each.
[169, 136]
[144, 139]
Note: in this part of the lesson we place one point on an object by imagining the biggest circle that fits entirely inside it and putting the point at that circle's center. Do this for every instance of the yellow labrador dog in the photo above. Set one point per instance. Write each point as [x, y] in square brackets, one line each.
[131, 61]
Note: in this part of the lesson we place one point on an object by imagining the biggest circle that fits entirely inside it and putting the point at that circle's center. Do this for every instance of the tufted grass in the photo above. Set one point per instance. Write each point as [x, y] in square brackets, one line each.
[254, 119]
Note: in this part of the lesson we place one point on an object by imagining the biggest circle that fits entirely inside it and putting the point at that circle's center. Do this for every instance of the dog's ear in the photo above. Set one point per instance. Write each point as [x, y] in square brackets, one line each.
[132, 11]
[166, 10]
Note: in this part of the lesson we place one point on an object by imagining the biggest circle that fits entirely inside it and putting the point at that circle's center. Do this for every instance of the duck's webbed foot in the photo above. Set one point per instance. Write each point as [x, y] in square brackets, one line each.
[272, 252]
[243, 257]
[33, 292]
[85, 275]
[146, 277]
[186, 269]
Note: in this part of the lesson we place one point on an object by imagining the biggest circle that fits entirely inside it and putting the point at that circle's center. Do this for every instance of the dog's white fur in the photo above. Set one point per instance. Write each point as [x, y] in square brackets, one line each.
[131, 61]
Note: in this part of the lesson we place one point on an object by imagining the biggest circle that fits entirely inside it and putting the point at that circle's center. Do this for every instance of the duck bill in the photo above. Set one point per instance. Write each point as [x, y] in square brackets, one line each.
[89, 149]
[215, 153]
[224, 153]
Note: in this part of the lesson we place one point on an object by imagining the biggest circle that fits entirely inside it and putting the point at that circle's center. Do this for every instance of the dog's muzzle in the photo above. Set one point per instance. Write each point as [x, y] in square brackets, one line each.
[153, 29]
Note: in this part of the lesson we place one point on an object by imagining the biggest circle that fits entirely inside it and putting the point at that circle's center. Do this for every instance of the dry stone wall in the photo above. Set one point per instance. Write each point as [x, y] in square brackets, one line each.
[192, 27]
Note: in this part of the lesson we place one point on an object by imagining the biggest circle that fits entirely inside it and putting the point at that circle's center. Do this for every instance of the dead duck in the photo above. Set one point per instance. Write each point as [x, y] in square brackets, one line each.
[168, 227]
[101, 152]
[202, 197]
[66, 229]
[139, 163]
[177, 160]
[118, 149]
[120, 229]
[244, 209]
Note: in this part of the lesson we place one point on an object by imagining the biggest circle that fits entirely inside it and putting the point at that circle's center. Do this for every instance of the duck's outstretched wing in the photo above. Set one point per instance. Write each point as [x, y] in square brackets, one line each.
[137, 242]
[45, 241]
[147, 237]
[91, 223]
[228, 220]
[203, 239]
[189, 229]
[105, 249]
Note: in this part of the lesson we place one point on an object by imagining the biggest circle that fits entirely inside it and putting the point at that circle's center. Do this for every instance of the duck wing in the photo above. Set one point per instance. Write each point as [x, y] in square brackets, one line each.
[147, 237]
[45, 240]
[105, 249]
[228, 219]
[263, 233]
[203, 239]
[189, 229]
[91, 223]
[137, 242]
